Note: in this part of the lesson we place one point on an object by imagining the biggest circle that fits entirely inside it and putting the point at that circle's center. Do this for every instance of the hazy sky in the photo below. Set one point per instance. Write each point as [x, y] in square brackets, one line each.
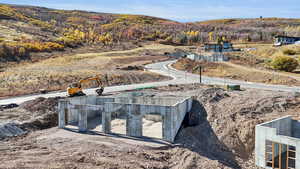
[180, 10]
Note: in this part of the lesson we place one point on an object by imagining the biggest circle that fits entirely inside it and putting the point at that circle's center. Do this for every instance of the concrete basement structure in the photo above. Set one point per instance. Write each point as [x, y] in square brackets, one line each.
[135, 105]
[277, 144]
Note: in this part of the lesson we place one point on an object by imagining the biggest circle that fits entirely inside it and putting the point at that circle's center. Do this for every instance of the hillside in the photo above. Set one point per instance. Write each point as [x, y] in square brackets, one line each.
[252, 30]
[27, 29]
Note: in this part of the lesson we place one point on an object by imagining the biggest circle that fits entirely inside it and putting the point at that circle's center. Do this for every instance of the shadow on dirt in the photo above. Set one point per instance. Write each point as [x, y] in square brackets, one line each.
[198, 136]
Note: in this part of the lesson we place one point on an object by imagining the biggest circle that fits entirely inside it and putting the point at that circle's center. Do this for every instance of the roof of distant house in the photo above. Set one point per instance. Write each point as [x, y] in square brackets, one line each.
[280, 36]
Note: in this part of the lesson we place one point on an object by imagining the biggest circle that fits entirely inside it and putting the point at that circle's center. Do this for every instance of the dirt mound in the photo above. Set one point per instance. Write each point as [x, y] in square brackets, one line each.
[41, 104]
[135, 67]
[224, 136]
[44, 112]
[212, 95]
[202, 140]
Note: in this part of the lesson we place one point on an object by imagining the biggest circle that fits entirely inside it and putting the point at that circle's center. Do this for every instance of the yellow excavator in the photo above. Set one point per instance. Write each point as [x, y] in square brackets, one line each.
[75, 89]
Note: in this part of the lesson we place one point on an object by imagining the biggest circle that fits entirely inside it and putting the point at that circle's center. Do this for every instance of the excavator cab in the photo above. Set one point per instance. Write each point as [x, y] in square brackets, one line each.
[75, 89]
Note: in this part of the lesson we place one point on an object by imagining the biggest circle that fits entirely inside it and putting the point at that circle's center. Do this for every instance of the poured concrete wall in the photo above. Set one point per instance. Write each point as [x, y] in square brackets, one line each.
[172, 110]
[295, 129]
[283, 126]
[279, 131]
[73, 112]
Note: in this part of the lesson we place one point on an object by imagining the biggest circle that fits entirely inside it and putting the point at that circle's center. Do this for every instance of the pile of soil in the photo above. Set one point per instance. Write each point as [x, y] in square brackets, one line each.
[135, 67]
[226, 130]
[44, 113]
[37, 114]
[41, 104]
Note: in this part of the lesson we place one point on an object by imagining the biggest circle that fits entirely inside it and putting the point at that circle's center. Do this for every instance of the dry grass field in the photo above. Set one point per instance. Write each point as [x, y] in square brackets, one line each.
[228, 70]
[268, 51]
[56, 73]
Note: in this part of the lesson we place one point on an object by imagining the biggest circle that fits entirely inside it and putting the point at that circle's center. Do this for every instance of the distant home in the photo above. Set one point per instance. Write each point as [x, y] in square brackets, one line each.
[218, 47]
[208, 56]
[285, 40]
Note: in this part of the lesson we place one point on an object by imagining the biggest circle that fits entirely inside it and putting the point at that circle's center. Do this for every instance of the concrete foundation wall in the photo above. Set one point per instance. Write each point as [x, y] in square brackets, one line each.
[172, 110]
[283, 126]
[73, 113]
[295, 129]
[147, 101]
[275, 131]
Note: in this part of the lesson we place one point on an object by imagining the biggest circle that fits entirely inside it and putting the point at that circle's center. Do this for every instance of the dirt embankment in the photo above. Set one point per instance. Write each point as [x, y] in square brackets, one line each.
[226, 132]
[224, 70]
[37, 114]
[222, 137]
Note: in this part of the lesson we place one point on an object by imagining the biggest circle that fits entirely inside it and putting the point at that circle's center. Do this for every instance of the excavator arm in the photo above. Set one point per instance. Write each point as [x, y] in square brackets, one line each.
[97, 79]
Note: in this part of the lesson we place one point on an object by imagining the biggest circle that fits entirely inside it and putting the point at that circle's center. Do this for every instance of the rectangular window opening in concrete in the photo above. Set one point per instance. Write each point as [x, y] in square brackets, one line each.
[152, 126]
[280, 156]
[94, 123]
[118, 122]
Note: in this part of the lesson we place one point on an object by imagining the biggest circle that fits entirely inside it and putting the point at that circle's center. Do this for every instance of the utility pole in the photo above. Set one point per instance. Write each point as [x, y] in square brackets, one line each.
[200, 73]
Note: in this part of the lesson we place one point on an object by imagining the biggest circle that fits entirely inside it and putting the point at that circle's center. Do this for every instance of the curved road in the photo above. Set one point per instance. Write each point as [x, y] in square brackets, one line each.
[163, 68]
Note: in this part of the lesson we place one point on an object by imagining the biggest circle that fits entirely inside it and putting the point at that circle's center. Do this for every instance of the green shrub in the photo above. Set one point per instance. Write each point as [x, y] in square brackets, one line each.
[268, 61]
[284, 63]
[289, 52]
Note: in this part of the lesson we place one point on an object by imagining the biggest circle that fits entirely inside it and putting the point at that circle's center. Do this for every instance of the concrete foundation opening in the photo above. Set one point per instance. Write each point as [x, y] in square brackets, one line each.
[130, 111]
[152, 126]
[118, 122]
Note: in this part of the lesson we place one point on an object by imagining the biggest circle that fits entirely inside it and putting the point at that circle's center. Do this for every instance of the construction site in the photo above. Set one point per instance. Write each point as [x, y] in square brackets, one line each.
[147, 87]
[176, 126]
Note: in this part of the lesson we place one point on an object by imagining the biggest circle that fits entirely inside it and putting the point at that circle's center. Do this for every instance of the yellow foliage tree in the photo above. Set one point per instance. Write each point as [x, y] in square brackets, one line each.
[211, 36]
[106, 39]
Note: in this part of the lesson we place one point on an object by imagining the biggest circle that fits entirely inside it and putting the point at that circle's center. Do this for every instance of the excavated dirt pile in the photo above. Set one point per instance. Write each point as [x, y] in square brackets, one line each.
[44, 113]
[37, 114]
[226, 130]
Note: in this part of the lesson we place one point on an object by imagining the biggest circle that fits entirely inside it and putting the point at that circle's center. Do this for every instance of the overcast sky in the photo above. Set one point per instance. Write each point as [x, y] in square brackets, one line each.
[179, 10]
